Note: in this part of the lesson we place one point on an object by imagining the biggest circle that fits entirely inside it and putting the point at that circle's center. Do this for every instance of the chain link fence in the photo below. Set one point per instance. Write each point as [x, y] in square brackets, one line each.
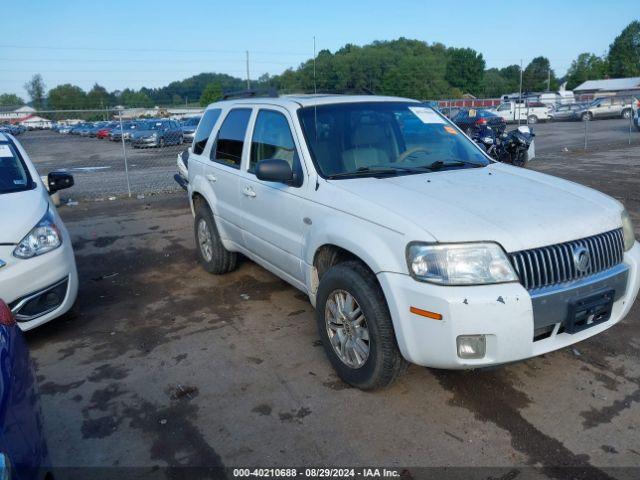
[133, 152]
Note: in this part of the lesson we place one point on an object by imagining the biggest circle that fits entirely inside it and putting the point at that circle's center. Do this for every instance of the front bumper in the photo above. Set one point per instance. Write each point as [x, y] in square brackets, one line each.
[506, 314]
[144, 141]
[22, 279]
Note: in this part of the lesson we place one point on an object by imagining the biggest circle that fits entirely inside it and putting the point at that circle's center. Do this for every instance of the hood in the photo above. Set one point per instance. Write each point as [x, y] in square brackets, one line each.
[19, 213]
[517, 208]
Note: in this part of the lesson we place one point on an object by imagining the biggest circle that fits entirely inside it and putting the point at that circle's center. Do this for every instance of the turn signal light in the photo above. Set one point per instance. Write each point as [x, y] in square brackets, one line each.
[425, 313]
[6, 317]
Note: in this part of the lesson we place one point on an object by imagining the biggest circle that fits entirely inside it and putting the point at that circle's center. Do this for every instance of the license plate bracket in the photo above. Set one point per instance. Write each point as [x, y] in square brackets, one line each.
[589, 311]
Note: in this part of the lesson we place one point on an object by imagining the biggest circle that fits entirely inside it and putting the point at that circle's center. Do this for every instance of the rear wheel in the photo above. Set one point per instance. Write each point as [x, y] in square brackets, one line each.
[212, 255]
[627, 113]
[355, 326]
[532, 119]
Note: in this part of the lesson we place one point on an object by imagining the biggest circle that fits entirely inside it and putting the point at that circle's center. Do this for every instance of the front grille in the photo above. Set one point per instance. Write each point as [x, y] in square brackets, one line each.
[545, 266]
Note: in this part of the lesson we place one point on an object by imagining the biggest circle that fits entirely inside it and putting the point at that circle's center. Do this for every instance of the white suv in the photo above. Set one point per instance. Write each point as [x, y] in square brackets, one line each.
[411, 243]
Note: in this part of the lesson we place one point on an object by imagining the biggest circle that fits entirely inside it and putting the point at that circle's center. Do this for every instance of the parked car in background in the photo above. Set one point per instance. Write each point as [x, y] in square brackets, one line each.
[412, 245]
[104, 131]
[608, 107]
[64, 129]
[530, 112]
[566, 112]
[636, 119]
[116, 134]
[188, 127]
[80, 127]
[24, 453]
[38, 277]
[157, 133]
[471, 120]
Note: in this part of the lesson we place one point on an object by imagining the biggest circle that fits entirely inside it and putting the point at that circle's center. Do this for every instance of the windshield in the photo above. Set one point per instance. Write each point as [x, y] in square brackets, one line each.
[191, 122]
[400, 137]
[14, 176]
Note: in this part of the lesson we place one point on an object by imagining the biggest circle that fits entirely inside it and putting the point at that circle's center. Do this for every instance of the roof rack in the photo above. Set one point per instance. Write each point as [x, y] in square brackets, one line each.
[269, 93]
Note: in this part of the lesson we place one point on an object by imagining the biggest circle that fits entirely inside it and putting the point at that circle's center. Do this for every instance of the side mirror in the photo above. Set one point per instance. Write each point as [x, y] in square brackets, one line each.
[275, 170]
[59, 181]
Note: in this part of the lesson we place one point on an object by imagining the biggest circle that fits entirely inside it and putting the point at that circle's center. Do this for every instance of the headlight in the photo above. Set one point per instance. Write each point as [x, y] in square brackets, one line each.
[154, 135]
[459, 264]
[44, 237]
[627, 231]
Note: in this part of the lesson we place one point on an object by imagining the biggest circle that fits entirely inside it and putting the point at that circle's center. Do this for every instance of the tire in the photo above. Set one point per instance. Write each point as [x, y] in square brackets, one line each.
[383, 362]
[180, 140]
[161, 142]
[532, 119]
[586, 116]
[627, 113]
[213, 257]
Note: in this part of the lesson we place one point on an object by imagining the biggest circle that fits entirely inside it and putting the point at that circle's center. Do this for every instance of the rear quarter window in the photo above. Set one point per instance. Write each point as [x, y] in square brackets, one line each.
[203, 132]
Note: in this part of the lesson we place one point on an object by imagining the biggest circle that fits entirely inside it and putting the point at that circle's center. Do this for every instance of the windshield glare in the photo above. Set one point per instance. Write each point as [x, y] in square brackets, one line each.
[353, 137]
[14, 176]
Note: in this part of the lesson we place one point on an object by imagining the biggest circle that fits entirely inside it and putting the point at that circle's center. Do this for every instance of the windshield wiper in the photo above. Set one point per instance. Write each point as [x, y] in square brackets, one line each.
[438, 164]
[364, 171]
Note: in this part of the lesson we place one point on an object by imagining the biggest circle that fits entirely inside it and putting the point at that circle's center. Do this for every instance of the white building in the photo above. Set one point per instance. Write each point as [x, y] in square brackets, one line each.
[11, 115]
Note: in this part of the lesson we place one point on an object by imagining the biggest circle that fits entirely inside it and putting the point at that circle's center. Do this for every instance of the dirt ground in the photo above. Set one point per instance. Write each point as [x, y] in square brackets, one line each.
[168, 366]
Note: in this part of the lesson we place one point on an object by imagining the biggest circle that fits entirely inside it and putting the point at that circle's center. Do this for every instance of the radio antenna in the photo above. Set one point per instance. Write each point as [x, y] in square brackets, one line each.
[315, 89]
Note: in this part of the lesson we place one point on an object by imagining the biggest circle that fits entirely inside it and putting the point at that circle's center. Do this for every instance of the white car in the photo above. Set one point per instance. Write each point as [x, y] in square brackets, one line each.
[411, 243]
[531, 112]
[38, 277]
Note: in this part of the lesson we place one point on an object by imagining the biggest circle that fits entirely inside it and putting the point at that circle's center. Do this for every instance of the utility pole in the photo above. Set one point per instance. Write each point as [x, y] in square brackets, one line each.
[520, 94]
[549, 80]
[248, 81]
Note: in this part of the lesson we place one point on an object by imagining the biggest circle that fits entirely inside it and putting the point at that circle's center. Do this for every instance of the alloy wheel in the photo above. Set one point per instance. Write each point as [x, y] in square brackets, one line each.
[204, 240]
[347, 329]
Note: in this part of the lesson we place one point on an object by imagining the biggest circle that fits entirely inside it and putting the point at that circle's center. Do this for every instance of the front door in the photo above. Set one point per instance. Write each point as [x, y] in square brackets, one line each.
[273, 221]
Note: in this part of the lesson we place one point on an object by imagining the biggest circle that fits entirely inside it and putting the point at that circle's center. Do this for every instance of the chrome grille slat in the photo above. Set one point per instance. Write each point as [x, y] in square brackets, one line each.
[553, 264]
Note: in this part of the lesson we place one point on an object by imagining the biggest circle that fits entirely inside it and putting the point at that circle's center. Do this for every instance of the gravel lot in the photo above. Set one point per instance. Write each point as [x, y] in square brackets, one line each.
[169, 366]
[98, 165]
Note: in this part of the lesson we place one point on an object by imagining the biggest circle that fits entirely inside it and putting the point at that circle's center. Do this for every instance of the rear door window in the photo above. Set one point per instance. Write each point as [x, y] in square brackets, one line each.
[230, 140]
[204, 129]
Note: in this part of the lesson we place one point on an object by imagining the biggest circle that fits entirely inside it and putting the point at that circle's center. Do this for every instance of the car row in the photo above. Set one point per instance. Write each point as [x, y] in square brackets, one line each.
[140, 133]
[13, 129]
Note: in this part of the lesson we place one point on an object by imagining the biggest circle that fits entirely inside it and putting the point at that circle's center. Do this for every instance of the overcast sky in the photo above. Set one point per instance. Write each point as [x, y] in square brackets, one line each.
[151, 43]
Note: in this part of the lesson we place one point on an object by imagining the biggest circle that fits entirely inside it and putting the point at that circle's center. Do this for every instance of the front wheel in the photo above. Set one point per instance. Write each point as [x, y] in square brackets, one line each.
[212, 255]
[587, 116]
[355, 326]
[626, 113]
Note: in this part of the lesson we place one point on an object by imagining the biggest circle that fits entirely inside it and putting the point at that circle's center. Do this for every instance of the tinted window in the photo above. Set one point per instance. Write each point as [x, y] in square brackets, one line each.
[14, 176]
[203, 132]
[272, 139]
[230, 140]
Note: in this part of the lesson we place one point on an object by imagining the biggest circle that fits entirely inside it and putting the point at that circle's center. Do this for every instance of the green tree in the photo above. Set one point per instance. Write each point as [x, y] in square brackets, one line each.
[98, 97]
[494, 84]
[131, 98]
[465, 69]
[536, 74]
[67, 97]
[10, 100]
[36, 88]
[586, 67]
[624, 52]
[212, 93]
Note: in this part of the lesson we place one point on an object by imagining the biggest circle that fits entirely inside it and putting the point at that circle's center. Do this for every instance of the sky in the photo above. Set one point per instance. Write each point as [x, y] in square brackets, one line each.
[121, 44]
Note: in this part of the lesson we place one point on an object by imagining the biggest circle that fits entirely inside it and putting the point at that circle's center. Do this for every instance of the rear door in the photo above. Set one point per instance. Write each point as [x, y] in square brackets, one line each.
[273, 212]
[223, 171]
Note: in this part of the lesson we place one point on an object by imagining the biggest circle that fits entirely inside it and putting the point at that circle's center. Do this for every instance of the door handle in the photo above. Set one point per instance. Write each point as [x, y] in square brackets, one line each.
[248, 192]
[212, 178]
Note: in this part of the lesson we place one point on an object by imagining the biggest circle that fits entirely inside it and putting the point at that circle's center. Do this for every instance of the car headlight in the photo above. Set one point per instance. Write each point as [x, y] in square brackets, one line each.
[459, 264]
[43, 238]
[628, 231]
[154, 135]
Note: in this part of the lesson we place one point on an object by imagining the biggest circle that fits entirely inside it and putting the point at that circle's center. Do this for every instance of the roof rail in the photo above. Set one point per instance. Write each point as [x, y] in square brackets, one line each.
[269, 92]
